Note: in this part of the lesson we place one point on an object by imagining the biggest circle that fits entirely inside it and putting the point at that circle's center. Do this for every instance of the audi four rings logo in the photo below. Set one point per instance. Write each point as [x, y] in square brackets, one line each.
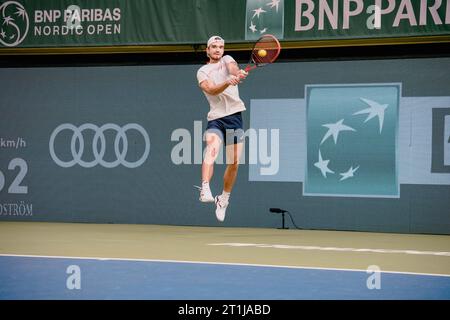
[99, 154]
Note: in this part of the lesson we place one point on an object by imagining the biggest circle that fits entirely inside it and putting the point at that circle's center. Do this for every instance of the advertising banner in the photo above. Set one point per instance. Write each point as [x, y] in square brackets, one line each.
[93, 23]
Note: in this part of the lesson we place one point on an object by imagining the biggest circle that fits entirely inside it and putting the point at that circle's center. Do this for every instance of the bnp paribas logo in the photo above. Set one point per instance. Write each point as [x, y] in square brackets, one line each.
[14, 23]
[352, 140]
[264, 16]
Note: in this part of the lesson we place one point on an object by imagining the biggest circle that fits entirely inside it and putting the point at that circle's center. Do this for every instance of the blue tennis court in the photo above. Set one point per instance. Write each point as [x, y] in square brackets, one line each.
[33, 277]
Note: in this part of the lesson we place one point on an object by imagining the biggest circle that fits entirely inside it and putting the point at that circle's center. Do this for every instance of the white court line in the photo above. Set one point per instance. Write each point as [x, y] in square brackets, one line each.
[283, 246]
[222, 263]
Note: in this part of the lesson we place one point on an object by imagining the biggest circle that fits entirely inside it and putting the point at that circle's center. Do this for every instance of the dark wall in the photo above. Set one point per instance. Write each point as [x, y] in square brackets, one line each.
[164, 98]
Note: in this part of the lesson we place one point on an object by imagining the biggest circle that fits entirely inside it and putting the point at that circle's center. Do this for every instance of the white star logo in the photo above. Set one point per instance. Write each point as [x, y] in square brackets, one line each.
[274, 3]
[7, 20]
[334, 129]
[252, 27]
[376, 110]
[349, 173]
[20, 12]
[258, 12]
[14, 34]
[323, 165]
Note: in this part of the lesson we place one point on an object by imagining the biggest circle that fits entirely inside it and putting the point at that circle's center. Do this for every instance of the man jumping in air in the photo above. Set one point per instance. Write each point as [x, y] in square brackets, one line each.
[219, 80]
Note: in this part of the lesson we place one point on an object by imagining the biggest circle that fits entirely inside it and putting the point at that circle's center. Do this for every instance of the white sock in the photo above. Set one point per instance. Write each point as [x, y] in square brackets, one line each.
[205, 185]
[226, 195]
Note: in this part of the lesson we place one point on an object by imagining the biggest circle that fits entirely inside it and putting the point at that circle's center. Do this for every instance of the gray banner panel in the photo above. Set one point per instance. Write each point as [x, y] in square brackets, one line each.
[124, 145]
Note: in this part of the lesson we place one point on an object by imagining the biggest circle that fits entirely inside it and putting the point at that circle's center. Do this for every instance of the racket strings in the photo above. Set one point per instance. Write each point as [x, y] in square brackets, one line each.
[266, 50]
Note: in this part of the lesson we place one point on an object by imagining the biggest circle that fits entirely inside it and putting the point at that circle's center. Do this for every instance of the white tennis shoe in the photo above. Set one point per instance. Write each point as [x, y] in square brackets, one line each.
[221, 207]
[205, 194]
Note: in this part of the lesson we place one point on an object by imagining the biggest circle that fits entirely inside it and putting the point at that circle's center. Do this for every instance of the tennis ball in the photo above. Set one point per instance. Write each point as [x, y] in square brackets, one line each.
[262, 53]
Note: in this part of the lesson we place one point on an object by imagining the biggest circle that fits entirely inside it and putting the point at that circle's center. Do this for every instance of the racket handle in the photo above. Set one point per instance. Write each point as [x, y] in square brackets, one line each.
[248, 68]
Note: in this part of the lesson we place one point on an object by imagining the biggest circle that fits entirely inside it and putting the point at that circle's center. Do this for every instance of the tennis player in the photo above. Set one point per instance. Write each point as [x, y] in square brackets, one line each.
[219, 80]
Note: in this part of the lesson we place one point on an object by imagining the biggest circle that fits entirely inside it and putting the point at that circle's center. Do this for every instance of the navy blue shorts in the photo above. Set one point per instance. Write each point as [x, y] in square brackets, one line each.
[230, 128]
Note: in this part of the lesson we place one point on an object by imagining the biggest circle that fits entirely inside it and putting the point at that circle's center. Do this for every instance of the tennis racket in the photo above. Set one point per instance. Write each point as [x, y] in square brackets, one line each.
[265, 51]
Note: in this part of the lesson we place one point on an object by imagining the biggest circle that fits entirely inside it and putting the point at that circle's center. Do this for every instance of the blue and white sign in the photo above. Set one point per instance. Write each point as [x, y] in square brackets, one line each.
[352, 140]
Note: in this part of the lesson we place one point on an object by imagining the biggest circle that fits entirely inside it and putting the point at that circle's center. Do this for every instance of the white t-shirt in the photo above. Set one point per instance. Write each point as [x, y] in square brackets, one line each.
[227, 102]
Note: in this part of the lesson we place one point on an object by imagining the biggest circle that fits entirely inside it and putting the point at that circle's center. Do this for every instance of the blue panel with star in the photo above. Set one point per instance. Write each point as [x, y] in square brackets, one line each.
[352, 140]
